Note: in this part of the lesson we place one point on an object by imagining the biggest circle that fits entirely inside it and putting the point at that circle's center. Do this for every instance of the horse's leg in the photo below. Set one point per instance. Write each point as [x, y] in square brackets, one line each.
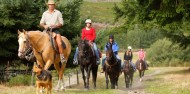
[128, 81]
[107, 81]
[83, 75]
[116, 83]
[61, 76]
[56, 66]
[112, 83]
[140, 74]
[94, 75]
[88, 75]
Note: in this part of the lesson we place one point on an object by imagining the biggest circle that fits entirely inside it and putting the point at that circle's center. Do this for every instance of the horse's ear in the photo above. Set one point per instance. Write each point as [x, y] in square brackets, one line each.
[18, 31]
[24, 31]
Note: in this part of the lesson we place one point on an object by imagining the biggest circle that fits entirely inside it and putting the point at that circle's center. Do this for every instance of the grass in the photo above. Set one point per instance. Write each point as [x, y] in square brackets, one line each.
[98, 11]
[171, 80]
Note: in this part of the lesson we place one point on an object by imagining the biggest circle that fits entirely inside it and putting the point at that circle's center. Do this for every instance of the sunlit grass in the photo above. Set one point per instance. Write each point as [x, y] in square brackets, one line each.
[170, 81]
[98, 11]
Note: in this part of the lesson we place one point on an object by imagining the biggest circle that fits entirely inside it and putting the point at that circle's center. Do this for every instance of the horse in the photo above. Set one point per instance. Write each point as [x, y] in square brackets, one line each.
[128, 73]
[141, 68]
[87, 60]
[112, 68]
[44, 52]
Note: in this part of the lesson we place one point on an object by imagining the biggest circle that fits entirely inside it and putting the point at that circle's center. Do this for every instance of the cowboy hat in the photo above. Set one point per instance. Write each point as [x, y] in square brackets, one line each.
[51, 2]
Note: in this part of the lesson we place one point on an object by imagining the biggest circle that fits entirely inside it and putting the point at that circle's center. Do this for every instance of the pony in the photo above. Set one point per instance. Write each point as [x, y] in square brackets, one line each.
[111, 68]
[128, 73]
[140, 65]
[87, 60]
[44, 52]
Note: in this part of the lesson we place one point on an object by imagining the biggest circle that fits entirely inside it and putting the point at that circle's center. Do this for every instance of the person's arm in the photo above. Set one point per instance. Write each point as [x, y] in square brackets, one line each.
[83, 34]
[93, 35]
[61, 22]
[42, 22]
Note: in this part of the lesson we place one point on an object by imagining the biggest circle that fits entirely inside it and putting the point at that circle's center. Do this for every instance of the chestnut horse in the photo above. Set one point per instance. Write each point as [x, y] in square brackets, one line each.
[87, 60]
[128, 73]
[112, 68]
[44, 52]
[141, 68]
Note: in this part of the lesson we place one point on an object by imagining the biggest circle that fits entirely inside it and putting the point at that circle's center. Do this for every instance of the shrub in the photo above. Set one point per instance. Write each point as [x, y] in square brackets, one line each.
[165, 53]
[20, 80]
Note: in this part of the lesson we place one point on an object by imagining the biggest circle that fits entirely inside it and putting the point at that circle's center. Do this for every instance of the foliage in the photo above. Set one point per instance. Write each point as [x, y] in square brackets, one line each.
[20, 80]
[165, 53]
[173, 16]
[26, 14]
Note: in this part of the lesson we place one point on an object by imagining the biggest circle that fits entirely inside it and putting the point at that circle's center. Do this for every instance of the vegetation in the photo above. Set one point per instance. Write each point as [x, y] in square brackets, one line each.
[20, 80]
[26, 14]
[169, 81]
[165, 53]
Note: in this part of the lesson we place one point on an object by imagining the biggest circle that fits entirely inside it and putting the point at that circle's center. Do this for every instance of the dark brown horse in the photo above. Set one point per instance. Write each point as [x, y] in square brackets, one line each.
[128, 73]
[112, 68]
[87, 60]
[44, 52]
[141, 68]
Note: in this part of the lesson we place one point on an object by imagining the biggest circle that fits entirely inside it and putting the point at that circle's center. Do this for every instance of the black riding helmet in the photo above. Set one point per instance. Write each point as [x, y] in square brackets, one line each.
[111, 37]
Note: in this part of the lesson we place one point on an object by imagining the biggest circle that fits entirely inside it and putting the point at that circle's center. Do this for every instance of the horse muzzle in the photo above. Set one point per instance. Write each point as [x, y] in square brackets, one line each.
[21, 55]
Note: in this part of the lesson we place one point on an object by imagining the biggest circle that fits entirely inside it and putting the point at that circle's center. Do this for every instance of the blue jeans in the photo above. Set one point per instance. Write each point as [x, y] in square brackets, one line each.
[95, 49]
[104, 59]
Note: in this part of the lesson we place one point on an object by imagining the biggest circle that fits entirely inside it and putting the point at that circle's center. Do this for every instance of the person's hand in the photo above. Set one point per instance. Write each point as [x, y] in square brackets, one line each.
[53, 26]
[46, 27]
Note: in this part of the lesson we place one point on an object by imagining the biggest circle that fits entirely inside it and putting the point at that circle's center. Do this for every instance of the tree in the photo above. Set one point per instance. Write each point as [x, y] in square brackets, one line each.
[172, 16]
[26, 14]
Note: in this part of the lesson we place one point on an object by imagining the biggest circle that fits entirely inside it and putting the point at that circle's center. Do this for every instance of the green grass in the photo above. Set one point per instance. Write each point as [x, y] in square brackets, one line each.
[170, 81]
[98, 11]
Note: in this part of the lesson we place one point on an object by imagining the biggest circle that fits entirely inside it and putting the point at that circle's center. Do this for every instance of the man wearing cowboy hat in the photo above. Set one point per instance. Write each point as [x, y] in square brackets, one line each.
[52, 18]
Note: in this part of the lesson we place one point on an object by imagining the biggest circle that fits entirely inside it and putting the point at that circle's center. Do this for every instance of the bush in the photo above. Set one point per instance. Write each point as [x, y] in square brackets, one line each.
[165, 53]
[20, 80]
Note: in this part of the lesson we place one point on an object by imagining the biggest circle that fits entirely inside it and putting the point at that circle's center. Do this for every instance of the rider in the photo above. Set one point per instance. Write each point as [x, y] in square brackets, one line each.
[141, 56]
[52, 18]
[129, 56]
[115, 49]
[89, 34]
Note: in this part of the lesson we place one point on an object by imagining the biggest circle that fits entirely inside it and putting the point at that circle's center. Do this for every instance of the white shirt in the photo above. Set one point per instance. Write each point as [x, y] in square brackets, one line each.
[54, 18]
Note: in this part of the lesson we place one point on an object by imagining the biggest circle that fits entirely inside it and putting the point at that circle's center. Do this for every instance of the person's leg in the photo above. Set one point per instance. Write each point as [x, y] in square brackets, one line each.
[59, 44]
[103, 62]
[146, 66]
[97, 53]
[133, 65]
[75, 61]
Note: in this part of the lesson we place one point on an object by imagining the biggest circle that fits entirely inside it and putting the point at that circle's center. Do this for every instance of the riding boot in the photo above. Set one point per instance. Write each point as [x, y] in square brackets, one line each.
[62, 58]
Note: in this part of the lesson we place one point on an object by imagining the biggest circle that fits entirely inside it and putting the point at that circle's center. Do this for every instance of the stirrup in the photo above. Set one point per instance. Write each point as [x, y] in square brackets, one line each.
[98, 62]
[75, 62]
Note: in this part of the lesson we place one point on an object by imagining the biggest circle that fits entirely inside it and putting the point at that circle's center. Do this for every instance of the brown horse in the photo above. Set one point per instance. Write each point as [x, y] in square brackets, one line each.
[44, 52]
[128, 73]
[140, 65]
[87, 60]
[112, 68]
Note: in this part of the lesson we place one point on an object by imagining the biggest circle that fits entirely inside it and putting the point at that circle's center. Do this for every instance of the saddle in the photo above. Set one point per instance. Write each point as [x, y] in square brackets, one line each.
[52, 36]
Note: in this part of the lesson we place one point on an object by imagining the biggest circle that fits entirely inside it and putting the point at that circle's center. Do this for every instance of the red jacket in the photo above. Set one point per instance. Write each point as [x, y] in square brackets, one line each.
[89, 34]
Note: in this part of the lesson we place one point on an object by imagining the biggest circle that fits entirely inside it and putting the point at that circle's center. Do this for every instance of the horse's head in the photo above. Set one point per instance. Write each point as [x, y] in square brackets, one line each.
[109, 53]
[23, 44]
[83, 47]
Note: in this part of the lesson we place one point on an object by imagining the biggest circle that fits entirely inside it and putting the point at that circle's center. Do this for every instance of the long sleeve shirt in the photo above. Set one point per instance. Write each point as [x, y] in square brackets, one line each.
[115, 47]
[89, 34]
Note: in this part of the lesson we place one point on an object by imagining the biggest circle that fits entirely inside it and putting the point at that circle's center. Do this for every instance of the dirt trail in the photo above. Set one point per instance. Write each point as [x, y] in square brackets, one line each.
[138, 87]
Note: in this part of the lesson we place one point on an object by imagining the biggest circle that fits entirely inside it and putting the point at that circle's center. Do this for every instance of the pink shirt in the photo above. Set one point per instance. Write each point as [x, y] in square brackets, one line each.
[141, 55]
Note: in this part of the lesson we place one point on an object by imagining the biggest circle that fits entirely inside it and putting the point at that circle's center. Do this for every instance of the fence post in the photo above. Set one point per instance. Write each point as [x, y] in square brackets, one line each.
[77, 77]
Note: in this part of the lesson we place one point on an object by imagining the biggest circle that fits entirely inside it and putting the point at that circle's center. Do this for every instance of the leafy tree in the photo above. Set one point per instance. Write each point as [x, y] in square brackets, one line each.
[172, 16]
[26, 14]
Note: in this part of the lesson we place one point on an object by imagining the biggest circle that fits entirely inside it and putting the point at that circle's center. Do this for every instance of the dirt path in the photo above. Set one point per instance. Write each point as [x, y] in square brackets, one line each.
[138, 87]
